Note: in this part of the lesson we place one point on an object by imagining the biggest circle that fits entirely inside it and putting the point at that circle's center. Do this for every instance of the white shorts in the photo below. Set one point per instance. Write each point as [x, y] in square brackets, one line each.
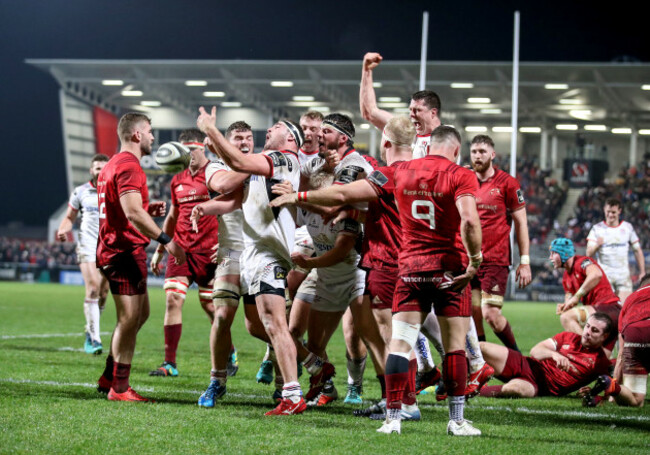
[263, 273]
[227, 262]
[329, 295]
[620, 280]
[303, 245]
[86, 253]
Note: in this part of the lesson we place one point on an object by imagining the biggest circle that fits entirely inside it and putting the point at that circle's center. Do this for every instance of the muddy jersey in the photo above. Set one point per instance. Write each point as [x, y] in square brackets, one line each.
[636, 308]
[573, 279]
[426, 191]
[589, 363]
[266, 228]
[121, 175]
[84, 200]
[231, 233]
[496, 199]
[187, 191]
[613, 253]
[382, 236]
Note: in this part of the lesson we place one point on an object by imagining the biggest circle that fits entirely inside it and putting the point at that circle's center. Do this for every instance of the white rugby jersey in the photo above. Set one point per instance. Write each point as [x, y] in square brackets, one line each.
[84, 200]
[304, 157]
[421, 145]
[324, 237]
[269, 228]
[231, 235]
[613, 254]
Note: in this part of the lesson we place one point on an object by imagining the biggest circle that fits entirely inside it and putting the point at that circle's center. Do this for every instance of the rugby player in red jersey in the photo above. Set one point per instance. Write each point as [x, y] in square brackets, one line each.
[557, 366]
[500, 201]
[187, 189]
[583, 281]
[125, 229]
[629, 385]
[432, 264]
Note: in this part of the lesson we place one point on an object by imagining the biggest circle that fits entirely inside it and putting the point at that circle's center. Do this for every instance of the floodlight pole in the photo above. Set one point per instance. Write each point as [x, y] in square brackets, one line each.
[513, 134]
[423, 54]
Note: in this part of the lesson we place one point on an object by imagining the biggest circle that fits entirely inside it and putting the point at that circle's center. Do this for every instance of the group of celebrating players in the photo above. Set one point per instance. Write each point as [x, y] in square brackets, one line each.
[413, 251]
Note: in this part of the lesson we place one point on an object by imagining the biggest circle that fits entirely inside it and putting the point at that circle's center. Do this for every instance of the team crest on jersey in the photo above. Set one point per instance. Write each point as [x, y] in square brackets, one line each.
[423, 186]
[280, 273]
[192, 191]
[494, 191]
[378, 178]
[566, 346]
[520, 196]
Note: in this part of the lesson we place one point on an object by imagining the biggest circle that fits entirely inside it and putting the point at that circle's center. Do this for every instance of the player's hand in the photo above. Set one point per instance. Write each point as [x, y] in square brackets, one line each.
[155, 261]
[563, 363]
[524, 275]
[205, 120]
[584, 391]
[157, 208]
[197, 213]
[213, 256]
[300, 260]
[331, 159]
[371, 60]
[176, 251]
[459, 282]
[284, 187]
[62, 236]
[285, 199]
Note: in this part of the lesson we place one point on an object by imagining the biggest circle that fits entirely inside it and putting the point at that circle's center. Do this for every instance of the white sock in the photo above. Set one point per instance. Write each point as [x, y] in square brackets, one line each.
[91, 311]
[431, 329]
[456, 408]
[473, 349]
[356, 368]
[292, 391]
[267, 354]
[423, 354]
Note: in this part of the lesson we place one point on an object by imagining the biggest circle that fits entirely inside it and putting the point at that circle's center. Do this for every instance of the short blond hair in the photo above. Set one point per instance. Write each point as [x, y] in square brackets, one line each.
[127, 124]
[400, 130]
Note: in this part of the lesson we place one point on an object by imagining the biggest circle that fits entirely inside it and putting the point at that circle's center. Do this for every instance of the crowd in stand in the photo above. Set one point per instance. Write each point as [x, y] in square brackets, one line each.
[632, 187]
[37, 253]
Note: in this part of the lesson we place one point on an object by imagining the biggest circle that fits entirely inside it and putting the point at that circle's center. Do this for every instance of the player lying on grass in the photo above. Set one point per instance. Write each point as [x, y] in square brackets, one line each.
[556, 366]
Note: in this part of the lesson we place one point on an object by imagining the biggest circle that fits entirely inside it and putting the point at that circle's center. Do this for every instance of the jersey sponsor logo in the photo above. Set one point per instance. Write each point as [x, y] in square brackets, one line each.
[520, 196]
[280, 273]
[278, 159]
[378, 178]
[349, 174]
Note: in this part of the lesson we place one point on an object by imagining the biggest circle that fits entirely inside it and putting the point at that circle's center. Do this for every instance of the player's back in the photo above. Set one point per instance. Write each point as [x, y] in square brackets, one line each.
[121, 175]
[426, 191]
[636, 308]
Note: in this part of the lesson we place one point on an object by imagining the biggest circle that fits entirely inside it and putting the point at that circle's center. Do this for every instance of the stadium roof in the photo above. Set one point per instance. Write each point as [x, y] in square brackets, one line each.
[610, 94]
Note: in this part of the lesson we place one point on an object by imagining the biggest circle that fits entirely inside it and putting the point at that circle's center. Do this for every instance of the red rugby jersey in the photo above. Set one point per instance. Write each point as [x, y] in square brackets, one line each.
[589, 363]
[187, 191]
[496, 199]
[122, 174]
[573, 279]
[636, 308]
[426, 191]
[381, 240]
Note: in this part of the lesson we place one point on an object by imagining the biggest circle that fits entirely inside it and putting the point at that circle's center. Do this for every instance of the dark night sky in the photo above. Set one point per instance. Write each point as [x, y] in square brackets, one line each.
[33, 183]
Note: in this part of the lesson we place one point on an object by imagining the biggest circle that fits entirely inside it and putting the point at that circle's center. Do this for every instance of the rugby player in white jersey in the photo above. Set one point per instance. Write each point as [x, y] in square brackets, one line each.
[610, 241]
[424, 112]
[84, 199]
[310, 123]
[227, 286]
[269, 235]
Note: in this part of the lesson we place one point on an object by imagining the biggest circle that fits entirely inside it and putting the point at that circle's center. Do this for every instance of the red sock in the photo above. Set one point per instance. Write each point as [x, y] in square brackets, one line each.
[454, 373]
[172, 337]
[507, 337]
[121, 373]
[382, 383]
[409, 392]
[108, 369]
[491, 390]
[396, 384]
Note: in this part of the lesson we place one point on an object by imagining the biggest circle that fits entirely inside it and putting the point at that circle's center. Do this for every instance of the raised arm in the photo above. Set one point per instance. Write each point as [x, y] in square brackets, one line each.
[332, 196]
[235, 158]
[367, 99]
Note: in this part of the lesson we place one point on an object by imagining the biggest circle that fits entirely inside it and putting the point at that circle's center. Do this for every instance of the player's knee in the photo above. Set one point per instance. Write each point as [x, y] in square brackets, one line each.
[405, 336]
[492, 314]
[567, 318]
[176, 291]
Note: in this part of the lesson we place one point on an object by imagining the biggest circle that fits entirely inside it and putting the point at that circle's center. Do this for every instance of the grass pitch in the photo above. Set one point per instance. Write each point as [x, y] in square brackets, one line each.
[48, 402]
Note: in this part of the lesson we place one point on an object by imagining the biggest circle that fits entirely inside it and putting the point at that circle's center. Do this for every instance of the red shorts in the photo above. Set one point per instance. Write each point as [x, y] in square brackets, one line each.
[611, 310]
[491, 279]
[419, 291]
[380, 286]
[197, 268]
[127, 273]
[636, 348]
[519, 366]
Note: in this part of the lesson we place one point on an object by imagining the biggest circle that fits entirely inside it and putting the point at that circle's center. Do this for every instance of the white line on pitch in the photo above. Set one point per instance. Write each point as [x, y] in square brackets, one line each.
[46, 335]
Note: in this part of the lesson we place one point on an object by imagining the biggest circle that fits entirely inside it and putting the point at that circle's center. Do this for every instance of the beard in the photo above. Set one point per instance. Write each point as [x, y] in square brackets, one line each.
[145, 149]
[481, 168]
